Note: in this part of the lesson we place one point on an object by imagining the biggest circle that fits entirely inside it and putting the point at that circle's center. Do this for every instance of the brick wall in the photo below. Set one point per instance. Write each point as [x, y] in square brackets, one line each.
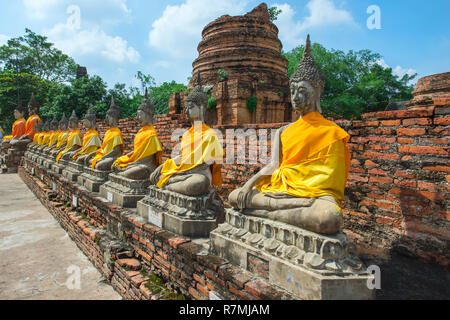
[397, 192]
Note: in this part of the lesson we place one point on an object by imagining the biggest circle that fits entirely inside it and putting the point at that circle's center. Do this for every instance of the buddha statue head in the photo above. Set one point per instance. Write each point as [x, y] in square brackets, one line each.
[89, 118]
[196, 103]
[113, 114]
[145, 111]
[19, 111]
[54, 124]
[73, 121]
[33, 106]
[307, 84]
[46, 126]
[63, 123]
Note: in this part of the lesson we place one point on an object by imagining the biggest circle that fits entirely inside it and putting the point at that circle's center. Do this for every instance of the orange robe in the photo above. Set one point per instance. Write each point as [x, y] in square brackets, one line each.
[30, 126]
[18, 129]
[112, 139]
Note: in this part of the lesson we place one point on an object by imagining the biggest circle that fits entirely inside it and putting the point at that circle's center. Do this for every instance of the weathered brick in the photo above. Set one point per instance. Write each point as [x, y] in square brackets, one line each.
[411, 132]
[423, 150]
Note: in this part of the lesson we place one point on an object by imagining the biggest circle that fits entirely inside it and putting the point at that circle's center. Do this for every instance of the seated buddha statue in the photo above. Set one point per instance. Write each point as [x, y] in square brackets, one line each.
[113, 145]
[199, 165]
[147, 152]
[38, 132]
[53, 135]
[18, 127]
[62, 137]
[33, 119]
[91, 140]
[73, 140]
[304, 183]
[45, 139]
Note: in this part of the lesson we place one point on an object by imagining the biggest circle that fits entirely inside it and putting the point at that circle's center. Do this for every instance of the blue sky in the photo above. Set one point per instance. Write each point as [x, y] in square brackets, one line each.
[115, 38]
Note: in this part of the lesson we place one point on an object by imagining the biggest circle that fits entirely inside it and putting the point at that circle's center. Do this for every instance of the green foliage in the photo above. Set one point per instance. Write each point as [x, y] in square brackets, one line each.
[356, 83]
[212, 104]
[274, 12]
[156, 286]
[159, 96]
[223, 75]
[33, 54]
[251, 104]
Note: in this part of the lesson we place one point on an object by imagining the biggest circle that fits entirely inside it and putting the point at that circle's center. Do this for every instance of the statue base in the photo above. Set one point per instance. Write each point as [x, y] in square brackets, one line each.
[124, 192]
[58, 167]
[72, 171]
[193, 217]
[11, 160]
[92, 179]
[309, 265]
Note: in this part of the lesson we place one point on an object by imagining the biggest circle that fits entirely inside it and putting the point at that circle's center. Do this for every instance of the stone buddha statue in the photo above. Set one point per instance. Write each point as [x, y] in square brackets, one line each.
[18, 127]
[73, 140]
[37, 136]
[113, 144]
[53, 135]
[304, 184]
[91, 140]
[62, 137]
[198, 167]
[45, 138]
[33, 119]
[147, 152]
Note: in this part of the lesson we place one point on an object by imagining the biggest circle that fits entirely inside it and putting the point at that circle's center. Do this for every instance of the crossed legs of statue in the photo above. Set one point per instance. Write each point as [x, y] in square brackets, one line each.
[135, 171]
[104, 164]
[194, 184]
[321, 215]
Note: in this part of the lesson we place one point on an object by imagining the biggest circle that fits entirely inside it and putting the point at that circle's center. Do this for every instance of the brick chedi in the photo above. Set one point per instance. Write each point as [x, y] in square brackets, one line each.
[247, 48]
[431, 90]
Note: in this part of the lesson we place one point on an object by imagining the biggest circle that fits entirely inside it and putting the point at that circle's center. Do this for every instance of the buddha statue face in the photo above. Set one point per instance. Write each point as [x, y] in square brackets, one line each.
[112, 120]
[63, 125]
[144, 117]
[305, 98]
[18, 114]
[73, 124]
[194, 111]
[88, 123]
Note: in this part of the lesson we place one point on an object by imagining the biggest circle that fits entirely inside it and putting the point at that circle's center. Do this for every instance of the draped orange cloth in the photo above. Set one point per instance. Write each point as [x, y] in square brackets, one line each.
[18, 129]
[112, 139]
[74, 139]
[91, 142]
[62, 139]
[146, 143]
[46, 138]
[315, 160]
[53, 138]
[199, 145]
[30, 126]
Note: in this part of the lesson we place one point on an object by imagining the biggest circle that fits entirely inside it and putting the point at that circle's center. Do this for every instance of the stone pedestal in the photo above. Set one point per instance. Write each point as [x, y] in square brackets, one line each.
[72, 171]
[193, 217]
[307, 264]
[92, 179]
[124, 192]
[11, 160]
[58, 167]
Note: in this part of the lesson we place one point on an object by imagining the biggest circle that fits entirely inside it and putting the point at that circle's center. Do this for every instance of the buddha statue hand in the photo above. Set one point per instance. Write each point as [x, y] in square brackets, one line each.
[155, 176]
[244, 197]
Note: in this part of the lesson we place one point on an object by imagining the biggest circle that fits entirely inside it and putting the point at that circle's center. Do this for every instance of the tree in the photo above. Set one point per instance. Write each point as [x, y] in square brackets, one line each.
[274, 12]
[159, 96]
[356, 83]
[33, 54]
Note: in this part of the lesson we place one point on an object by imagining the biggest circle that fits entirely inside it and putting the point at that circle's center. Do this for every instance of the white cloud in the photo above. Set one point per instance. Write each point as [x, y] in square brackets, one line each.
[398, 70]
[178, 30]
[321, 13]
[93, 41]
[4, 39]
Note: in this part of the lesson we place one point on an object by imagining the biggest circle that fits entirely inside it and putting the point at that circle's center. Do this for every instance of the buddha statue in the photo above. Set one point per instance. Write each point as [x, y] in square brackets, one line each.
[198, 167]
[45, 137]
[147, 152]
[113, 144]
[91, 141]
[2, 134]
[304, 184]
[18, 127]
[33, 119]
[62, 137]
[52, 136]
[36, 138]
[73, 140]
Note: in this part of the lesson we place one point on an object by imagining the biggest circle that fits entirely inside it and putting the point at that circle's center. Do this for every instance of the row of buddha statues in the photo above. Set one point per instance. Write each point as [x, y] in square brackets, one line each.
[302, 186]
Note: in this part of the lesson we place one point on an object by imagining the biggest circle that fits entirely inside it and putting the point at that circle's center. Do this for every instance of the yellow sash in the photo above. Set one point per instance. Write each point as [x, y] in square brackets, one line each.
[146, 143]
[18, 129]
[315, 160]
[62, 139]
[46, 138]
[53, 138]
[112, 139]
[30, 125]
[91, 142]
[73, 139]
[199, 145]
